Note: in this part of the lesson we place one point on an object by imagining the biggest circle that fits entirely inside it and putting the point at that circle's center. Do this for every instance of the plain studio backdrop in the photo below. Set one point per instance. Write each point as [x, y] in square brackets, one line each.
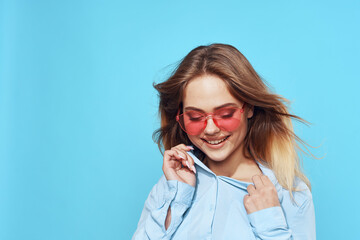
[77, 106]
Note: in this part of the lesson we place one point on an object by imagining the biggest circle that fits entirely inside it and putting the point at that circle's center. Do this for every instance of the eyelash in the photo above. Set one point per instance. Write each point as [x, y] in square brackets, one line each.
[228, 115]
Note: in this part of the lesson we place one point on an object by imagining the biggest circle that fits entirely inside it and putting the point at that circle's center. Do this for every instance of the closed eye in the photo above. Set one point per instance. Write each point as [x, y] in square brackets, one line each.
[195, 116]
[227, 115]
[196, 119]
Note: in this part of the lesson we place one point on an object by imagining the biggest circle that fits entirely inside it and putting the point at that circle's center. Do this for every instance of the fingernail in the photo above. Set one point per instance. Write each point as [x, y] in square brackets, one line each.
[190, 147]
[193, 168]
[181, 156]
[187, 164]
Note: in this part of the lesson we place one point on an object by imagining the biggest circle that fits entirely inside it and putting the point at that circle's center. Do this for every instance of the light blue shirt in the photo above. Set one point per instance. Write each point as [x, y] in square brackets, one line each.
[214, 209]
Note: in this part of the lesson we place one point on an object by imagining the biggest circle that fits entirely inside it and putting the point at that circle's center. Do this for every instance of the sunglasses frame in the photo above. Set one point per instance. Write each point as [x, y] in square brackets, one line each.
[207, 115]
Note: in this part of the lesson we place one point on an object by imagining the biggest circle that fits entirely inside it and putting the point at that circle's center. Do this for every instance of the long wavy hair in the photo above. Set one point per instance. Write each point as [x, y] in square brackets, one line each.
[270, 137]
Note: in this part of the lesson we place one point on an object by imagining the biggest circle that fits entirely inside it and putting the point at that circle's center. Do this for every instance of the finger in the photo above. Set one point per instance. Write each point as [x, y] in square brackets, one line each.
[246, 197]
[189, 160]
[182, 154]
[170, 161]
[184, 147]
[248, 204]
[251, 189]
[182, 157]
[265, 179]
[190, 147]
[186, 160]
[172, 155]
[180, 146]
[257, 181]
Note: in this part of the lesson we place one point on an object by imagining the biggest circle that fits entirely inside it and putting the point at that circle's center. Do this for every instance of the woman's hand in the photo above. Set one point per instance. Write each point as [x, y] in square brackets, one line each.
[178, 165]
[262, 195]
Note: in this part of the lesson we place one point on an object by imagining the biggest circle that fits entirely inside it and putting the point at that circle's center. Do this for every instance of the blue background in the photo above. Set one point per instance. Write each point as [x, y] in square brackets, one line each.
[77, 106]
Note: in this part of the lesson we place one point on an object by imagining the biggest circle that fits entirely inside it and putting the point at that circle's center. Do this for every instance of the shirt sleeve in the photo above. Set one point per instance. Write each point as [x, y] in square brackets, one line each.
[303, 224]
[165, 194]
[271, 224]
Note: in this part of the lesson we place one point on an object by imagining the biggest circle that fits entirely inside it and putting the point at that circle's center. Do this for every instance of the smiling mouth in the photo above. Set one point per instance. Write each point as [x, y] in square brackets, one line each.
[216, 141]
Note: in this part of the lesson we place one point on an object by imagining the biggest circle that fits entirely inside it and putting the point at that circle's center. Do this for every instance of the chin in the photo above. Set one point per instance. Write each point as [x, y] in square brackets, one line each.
[216, 157]
[216, 153]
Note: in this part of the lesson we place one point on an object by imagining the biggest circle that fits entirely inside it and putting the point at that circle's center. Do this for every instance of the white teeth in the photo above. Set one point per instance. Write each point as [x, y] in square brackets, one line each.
[217, 141]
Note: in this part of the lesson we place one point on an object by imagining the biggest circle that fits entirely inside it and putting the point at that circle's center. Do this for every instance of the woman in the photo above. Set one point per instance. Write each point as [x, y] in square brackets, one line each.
[231, 169]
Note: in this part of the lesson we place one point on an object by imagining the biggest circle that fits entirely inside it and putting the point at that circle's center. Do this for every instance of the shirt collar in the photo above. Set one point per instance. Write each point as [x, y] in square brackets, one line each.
[265, 170]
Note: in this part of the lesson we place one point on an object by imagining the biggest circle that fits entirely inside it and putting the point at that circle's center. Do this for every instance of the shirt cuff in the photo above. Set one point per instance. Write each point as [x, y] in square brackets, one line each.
[268, 219]
[179, 192]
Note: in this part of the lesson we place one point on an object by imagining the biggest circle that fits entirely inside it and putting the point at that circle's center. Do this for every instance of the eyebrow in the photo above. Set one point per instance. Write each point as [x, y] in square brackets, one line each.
[216, 108]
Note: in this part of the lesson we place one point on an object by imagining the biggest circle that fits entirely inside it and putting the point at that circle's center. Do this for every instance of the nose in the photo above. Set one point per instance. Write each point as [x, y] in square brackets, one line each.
[211, 127]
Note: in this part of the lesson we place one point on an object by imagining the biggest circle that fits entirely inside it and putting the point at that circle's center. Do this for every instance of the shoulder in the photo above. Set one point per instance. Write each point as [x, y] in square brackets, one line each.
[302, 192]
[300, 197]
[299, 208]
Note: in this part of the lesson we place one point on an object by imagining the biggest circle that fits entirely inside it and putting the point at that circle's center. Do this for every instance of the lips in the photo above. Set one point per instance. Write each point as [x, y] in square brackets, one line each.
[215, 142]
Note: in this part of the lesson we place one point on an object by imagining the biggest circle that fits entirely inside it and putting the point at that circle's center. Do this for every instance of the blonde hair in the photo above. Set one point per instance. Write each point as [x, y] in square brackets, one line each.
[270, 138]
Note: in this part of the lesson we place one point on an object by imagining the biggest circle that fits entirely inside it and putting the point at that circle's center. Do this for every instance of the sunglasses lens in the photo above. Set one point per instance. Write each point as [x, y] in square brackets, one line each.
[227, 119]
[229, 124]
[192, 125]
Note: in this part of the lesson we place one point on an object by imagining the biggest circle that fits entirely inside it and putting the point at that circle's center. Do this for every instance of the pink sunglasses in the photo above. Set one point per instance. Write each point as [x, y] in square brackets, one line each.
[194, 122]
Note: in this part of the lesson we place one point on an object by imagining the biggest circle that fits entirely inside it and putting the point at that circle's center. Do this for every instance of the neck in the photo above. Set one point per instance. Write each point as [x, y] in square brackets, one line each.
[235, 166]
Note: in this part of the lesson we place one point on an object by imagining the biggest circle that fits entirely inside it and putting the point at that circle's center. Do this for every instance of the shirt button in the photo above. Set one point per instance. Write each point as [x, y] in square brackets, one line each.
[211, 207]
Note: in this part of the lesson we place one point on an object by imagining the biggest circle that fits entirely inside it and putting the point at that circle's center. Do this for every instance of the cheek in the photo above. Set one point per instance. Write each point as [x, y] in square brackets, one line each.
[196, 141]
[239, 134]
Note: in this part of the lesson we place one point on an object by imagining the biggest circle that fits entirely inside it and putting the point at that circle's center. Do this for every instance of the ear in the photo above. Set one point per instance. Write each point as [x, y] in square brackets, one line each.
[250, 111]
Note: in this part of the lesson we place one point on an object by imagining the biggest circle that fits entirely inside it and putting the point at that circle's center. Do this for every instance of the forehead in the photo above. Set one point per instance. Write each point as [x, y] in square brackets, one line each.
[207, 92]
